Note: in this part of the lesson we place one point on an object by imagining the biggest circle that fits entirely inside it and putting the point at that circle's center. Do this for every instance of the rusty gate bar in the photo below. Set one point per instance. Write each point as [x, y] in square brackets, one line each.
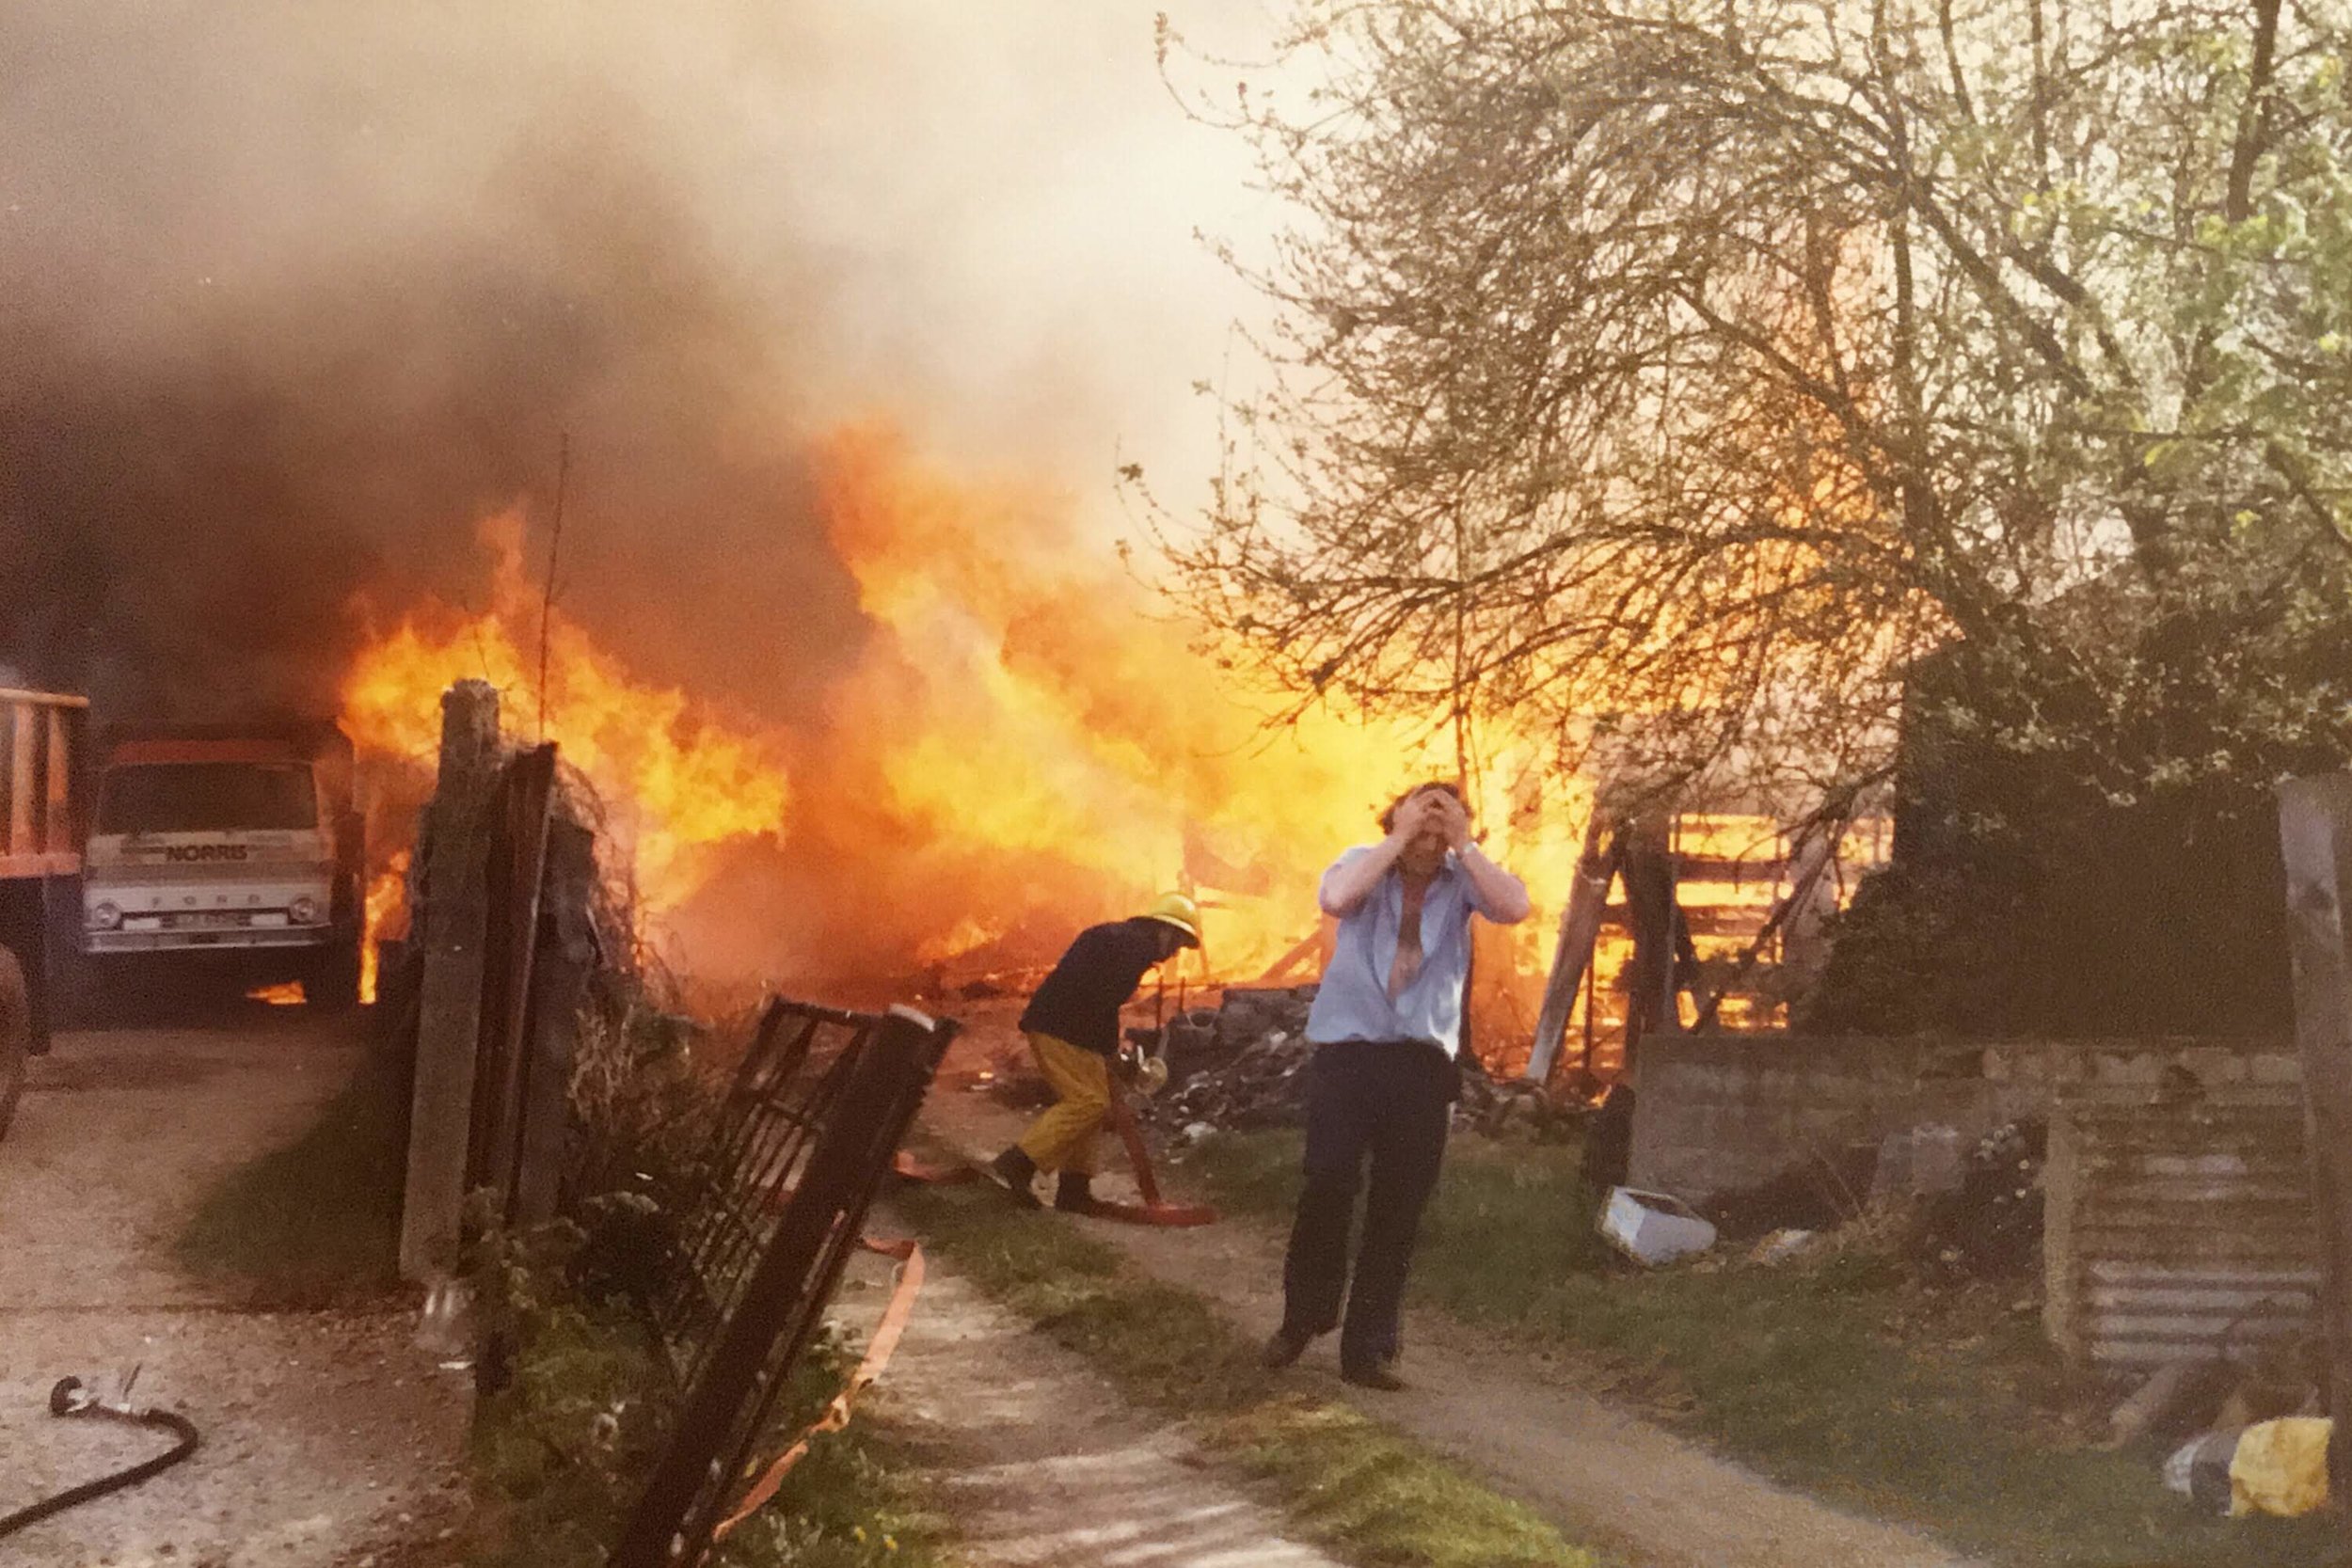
[781, 1100]
[517, 866]
[878, 1082]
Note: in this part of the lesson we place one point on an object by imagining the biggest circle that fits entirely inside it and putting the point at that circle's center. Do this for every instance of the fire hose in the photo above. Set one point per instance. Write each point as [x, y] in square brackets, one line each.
[1154, 1211]
[70, 1398]
[836, 1415]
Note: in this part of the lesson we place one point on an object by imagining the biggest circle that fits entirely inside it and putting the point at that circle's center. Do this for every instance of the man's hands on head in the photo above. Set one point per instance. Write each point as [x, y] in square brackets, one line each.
[1449, 814]
[1429, 808]
[1410, 818]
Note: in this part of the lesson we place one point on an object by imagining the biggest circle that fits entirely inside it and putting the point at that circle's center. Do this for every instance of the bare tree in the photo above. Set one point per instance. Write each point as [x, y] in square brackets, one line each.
[1684, 374]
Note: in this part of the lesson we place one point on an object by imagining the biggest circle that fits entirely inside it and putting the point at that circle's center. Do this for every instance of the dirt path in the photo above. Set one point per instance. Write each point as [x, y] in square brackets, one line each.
[1602, 1475]
[1039, 1462]
[324, 1433]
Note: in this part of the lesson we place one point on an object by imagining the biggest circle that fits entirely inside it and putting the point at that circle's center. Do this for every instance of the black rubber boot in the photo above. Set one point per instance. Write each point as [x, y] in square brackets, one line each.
[1074, 1194]
[1015, 1171]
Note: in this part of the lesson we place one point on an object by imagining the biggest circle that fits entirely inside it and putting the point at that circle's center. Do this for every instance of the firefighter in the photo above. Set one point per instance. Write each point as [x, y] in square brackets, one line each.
[1072, 1027]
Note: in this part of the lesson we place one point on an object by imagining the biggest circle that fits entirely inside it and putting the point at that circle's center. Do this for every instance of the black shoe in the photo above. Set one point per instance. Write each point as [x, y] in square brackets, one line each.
[1074, 1194]
[1283, 1347]
[1381, 1374]
[1014, 1171]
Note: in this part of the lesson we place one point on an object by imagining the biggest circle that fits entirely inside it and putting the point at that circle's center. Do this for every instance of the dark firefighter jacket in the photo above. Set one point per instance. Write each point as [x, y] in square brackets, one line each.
[1080, 1001]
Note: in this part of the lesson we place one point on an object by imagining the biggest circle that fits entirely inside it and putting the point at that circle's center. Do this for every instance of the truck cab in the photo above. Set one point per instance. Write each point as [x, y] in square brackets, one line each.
[238, 850]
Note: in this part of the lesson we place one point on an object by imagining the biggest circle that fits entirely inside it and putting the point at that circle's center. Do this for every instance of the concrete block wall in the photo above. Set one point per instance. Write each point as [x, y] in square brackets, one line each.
[1724, 1110]
[2130, 1073]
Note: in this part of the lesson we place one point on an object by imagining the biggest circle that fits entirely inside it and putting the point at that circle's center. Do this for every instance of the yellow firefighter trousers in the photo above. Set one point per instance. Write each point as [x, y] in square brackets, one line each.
[1063, 1138]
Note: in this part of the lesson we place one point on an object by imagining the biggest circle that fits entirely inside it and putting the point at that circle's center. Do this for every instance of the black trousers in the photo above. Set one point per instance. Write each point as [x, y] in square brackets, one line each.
[1386, 1104]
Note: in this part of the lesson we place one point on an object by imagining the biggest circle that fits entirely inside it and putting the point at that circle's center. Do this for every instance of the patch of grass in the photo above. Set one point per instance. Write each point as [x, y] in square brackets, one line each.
[1345, 1481]
[560, 1454]
[557, 1454]
[1941, 1408]
[854, 1502]
[316, 1223]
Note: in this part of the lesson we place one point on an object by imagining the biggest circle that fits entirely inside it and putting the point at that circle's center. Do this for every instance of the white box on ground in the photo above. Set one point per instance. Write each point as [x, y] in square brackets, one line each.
[1653, 1227]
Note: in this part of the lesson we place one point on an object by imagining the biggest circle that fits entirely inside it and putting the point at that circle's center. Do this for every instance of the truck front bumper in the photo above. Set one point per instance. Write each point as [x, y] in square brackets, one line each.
[99, 943]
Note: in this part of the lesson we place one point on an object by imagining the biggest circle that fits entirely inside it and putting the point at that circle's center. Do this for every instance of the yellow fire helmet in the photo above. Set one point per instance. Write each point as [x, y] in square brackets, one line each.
[1175, 909]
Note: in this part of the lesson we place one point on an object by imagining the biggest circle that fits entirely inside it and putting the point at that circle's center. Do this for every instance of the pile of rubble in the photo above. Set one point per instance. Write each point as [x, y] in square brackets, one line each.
[1985, 1221]
[1244, 1065]
[1957, 1209]
[1239, 1066]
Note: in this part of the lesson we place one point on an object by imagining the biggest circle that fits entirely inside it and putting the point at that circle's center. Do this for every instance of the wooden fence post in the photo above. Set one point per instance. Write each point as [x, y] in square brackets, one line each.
[519, 863]
[558, 984]
[449, 1007]
[2316, 841]
[1579, 928]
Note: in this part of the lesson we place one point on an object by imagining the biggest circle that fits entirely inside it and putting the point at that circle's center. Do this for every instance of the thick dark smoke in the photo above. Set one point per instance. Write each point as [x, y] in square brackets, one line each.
[293, 291]
[283, 326]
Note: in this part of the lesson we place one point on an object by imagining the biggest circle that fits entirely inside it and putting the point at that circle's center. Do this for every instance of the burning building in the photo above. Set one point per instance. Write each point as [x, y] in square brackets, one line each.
[837, 628]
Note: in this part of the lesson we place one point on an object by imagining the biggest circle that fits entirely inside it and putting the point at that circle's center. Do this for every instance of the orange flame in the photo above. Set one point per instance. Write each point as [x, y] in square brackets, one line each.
[287, 995]
[387, 918]
[1027, 744]
[673, 778]
[1040, 746]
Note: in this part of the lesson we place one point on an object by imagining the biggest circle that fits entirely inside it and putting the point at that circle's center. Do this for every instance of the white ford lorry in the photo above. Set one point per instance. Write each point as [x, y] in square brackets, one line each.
[226, 848]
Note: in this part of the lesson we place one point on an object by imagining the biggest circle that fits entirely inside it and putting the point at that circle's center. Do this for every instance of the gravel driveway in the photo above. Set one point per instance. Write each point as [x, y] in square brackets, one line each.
[325, 1435]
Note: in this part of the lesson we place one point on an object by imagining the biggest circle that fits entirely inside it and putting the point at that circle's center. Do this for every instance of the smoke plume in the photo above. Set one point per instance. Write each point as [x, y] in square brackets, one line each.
[300, 295]
[298, 292]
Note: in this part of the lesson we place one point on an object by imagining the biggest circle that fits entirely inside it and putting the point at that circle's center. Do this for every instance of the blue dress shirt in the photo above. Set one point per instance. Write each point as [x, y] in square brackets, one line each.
[1353, 1003]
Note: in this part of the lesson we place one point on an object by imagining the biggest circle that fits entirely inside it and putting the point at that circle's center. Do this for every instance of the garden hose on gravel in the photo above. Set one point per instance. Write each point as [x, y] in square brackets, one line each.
[70, 1398]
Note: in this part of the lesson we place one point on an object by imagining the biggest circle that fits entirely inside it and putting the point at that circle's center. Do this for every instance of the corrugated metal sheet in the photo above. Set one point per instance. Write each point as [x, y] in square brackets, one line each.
[2177, 1231]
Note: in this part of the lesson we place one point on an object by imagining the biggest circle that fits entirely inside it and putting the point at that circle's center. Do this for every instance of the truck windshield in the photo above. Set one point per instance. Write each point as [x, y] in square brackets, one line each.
[206, 797]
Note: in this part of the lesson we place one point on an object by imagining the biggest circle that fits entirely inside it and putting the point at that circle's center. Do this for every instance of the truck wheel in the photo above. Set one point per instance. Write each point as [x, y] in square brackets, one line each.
[16, 1036]
[332, 982]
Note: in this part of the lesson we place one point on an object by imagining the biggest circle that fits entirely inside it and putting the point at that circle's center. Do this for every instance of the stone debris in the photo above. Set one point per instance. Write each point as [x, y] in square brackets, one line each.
[1263, 1084]
[1243, 1066]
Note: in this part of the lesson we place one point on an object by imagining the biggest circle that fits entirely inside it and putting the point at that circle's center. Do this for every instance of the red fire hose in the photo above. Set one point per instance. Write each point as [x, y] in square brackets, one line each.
[1153, 1210]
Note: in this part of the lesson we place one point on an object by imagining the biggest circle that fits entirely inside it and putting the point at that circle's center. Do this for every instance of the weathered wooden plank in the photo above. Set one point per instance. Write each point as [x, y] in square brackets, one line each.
[1580, 926]
[2315, 841]
[24, 728]
[2231, 1303]
[449, 1007]
[559, 985]
[2131, 1273]
[58, 832]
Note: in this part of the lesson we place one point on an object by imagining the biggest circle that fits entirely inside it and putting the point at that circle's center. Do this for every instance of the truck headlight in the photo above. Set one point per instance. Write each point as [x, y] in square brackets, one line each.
[303, 912]
[105, 917]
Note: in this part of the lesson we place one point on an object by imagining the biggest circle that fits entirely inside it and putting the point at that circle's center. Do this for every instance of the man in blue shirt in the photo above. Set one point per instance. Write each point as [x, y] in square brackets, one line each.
[1386, 1026]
